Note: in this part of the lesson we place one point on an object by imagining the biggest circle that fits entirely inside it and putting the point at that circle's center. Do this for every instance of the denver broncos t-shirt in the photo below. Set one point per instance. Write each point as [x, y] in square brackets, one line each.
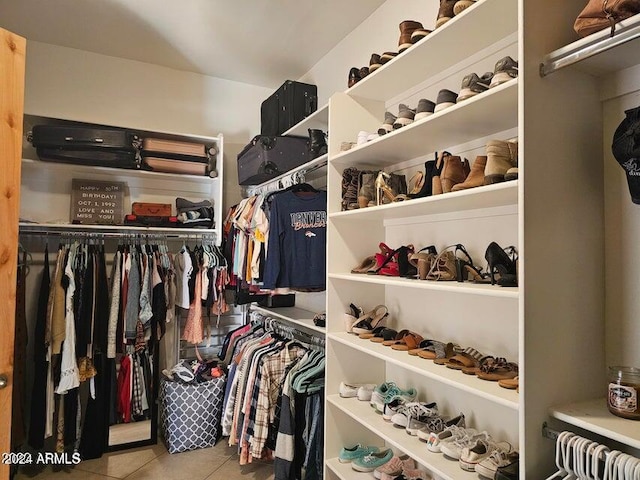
[296, 252]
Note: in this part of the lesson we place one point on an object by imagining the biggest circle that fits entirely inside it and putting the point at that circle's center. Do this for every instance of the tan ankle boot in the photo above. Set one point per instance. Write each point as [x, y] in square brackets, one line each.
[454, 172]
[475, 177]
[501, 156]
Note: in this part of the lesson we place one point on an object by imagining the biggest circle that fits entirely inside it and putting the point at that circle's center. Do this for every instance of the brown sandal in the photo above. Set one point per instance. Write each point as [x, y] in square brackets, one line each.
[469, 358]
[497, 370]
[450, 351]
[410, 341]
[510, 383]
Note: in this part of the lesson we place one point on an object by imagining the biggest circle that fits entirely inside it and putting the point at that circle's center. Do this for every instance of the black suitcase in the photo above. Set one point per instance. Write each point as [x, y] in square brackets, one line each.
[267, 157]
[291, 103]
[105, 147]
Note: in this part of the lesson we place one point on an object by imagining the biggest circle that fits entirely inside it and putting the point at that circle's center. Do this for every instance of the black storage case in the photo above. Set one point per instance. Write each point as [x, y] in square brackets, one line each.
[291, 103]
[267, 157]
[105, 147]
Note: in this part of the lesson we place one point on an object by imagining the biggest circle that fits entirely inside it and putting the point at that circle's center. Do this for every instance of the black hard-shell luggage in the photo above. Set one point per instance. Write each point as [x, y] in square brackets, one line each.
[106, 147]
[288, 105]
[267, 157]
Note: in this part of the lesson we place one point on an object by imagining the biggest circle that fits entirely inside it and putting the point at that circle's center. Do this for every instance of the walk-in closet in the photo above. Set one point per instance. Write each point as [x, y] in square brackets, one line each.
[388, 239]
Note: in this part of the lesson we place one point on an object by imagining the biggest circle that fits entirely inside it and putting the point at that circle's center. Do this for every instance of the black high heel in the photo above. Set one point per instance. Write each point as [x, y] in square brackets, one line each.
[429, 171]
[500, 262]
[464, 268]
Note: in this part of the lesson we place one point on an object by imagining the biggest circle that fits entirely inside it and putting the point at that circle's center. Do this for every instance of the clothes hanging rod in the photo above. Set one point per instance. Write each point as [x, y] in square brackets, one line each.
[311, 166]
[548, 432]
[113, 231]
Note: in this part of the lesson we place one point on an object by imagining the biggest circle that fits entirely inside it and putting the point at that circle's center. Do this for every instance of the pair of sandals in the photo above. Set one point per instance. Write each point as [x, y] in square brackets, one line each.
[389, 262]
[360, 323]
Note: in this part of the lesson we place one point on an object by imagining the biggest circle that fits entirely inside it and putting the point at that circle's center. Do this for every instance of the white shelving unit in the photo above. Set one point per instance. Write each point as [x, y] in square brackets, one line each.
[484, 316]
[49, 183]
[317, 120]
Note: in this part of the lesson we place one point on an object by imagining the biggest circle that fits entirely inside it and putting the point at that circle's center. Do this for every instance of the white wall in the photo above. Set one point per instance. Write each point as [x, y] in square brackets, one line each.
[377, 34]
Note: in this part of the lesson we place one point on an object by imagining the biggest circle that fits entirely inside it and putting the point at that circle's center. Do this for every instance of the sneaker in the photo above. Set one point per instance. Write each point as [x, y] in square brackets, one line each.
[395, 393]
[450, 434]
[418, 422]
[506, 68]
[364, 137]
[387, 126]
[424, 109]
[379, 393]
[405, 116]
[350, 390]
[454, 449]
[373, 460]
[390, 409]
[446, 98]
[349, 454]
[483, 448]
[365, 391]
[394, 467]
[498, 459]
[387, 56]
[472, 85]
[413, 474]
[374, 62]
[437, 425]
[414, 410]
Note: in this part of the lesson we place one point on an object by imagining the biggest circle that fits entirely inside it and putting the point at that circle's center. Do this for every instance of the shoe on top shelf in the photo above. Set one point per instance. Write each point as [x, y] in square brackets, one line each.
[354, 77]
[419, 34]
[445, 12]
[472, 85]
[461, 5]
[446, 98]
[349, 454]
[406, 30]
[506, 68]
[387, 56]
[364, 137]
[374, 62]
[424, 109]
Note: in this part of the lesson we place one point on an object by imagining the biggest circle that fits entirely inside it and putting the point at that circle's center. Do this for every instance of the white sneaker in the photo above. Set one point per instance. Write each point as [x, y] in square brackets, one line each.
[365, 391]
[415, 410]
[454, 449]
[471, 456]
[497, 459]
[350, 390]
[379, 394]
[449, 434]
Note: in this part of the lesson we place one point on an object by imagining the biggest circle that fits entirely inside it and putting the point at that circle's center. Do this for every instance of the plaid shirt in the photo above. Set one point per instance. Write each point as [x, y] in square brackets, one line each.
[273, 370]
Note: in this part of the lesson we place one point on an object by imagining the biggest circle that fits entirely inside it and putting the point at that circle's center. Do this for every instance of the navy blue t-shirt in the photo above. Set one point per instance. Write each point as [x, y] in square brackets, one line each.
[296, 252]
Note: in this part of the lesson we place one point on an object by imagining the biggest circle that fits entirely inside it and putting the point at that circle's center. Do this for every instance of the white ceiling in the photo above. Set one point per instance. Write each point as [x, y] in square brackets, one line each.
[261, 42]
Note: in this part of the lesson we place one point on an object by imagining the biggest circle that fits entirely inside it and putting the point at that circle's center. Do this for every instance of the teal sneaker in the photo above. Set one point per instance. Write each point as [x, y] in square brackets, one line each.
[370, 462]
[379, 393]
[349, 454]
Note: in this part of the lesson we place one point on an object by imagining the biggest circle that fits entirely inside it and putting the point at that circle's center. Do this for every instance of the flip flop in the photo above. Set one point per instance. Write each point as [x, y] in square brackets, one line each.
[450, 350]
[468, 358]
[385, 335]
[397, 338]
[432, 349]
[410, 341]
[373, 333]
[423, 345]
[478, 369]
[498, 370]
[510, 383]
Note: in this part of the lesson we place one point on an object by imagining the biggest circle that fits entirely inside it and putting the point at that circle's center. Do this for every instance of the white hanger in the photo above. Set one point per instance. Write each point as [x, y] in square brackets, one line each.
[610, 466]
[600, 453]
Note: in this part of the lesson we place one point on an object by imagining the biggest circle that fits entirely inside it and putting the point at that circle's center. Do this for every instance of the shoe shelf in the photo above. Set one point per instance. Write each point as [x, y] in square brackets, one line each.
[489, 196]
[458, 287]
[344, 471]
[485, 114]
[468, 383]
[471, 31]
[318, 120]
[437, 463]
[297, 316]
[598, 54]
[593, 415]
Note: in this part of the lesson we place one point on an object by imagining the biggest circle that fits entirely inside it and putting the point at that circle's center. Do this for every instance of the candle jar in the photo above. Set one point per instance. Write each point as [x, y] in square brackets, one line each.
[624, 390]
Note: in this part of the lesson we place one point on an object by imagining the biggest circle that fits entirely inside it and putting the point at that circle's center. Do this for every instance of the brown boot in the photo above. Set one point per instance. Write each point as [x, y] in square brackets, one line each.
[445, 13]
[406, 29]
[501, 156]
[475, 177]
[454, 172]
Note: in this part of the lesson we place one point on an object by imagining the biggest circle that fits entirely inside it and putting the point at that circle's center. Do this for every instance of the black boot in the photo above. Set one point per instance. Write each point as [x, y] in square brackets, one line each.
[429, 171]
[317, 142]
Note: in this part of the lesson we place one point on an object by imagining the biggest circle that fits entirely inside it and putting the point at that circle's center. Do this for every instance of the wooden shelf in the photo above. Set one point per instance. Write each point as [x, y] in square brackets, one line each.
[457, 287]
[426, 59]
[493, 111]
[362, 413]
[593, 415]
[469, 383]
[497, 195]
[318, 120]
[599, 53]
[294, 315]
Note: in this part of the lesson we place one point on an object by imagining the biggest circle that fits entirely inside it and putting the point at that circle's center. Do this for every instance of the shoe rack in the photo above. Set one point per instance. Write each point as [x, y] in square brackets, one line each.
[552, 324]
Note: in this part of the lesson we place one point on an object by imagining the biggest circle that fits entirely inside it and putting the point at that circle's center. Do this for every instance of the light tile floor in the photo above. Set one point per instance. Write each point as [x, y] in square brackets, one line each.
[216, 463]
